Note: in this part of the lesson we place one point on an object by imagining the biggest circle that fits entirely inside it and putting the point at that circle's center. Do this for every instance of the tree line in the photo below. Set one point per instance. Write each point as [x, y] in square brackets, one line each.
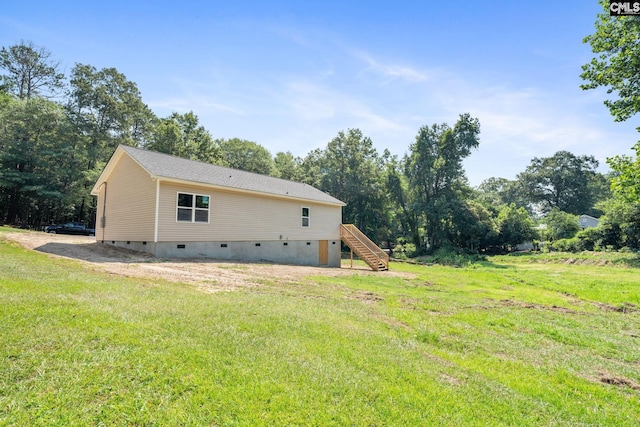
[57, 132]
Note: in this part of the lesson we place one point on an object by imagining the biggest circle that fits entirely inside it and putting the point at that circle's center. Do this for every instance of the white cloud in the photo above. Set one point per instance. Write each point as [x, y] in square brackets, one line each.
[394, 71]
[301, 109]
[315, 102]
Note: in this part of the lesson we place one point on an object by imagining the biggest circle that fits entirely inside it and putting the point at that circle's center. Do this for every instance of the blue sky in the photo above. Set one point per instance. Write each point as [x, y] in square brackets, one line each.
[291, 75]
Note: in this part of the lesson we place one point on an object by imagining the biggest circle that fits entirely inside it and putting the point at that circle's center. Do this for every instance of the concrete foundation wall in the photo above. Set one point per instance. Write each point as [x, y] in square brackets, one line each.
[148, 247]
[296, 252]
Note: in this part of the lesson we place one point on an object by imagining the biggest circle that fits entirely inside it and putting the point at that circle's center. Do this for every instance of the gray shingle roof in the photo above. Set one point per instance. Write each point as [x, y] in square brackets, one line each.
[166, 166]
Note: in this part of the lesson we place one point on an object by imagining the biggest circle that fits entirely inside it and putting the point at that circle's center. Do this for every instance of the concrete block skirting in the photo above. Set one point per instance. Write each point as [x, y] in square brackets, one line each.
[296, 252]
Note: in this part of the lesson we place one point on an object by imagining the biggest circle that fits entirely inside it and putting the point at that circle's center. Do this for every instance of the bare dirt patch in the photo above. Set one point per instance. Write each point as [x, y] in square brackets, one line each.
[625, 307]
[367, 297]
[616, 380]
[521, 304]
[207, 275]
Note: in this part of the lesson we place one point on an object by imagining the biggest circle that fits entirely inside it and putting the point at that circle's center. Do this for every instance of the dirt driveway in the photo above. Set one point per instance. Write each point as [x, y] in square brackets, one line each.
[207, 275]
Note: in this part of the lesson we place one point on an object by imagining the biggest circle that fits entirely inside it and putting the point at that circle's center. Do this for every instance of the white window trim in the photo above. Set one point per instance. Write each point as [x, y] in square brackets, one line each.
[308, 217]
[193, 208]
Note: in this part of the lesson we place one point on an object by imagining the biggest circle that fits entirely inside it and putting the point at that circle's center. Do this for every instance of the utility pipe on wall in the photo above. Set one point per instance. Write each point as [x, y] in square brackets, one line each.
[103, 219]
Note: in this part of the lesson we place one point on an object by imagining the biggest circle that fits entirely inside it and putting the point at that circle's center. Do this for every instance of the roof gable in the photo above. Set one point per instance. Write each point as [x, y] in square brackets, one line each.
[166, 167]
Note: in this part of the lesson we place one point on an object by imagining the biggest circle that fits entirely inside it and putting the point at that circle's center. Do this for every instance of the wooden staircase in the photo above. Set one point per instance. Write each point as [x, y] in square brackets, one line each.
[366, 250]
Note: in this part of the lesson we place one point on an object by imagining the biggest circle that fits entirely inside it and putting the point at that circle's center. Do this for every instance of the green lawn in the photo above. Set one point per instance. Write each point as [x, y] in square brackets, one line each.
[512, 341]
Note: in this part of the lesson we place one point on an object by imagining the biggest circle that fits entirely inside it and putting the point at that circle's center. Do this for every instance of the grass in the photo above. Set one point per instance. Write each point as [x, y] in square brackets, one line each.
[511, 341]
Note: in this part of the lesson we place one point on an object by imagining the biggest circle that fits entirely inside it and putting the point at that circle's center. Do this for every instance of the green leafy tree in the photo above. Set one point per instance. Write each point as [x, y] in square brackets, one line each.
[620, 224]
[561, 225]
[600, 190]
[616, 67]
[616, 42]
[30, 71]
[435, 174]
[515, 226]
[408, 218]
[474, 227]
[36, 170]
[311, 168]
[352, 171]
[167, 137]
[495, 192]
[246, 155]
[181, 135]
[106, 110]
[287, 166]
[5, 99]
[562, 181]
[625, 183]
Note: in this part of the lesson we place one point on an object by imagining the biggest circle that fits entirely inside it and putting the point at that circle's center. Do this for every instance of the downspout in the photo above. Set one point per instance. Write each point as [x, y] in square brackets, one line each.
[155, 230]
[103, 219]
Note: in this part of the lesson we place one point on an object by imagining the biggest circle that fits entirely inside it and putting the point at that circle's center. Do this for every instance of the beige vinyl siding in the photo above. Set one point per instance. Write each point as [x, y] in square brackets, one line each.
[246, 217]
[130, 212]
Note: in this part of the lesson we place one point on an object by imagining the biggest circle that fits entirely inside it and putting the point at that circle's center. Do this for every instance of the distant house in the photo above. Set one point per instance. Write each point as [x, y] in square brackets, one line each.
[587, 221]
[174, 207]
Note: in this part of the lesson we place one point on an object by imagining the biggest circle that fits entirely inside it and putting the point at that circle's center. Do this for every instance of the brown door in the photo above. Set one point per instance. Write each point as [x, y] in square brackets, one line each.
[323, 252]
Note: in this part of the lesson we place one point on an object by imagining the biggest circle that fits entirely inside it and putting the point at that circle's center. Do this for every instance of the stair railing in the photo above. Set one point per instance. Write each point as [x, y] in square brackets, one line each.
[350, 231]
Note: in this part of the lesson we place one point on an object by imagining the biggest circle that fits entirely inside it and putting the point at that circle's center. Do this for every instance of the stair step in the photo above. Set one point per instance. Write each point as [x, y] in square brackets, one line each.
[355, 239]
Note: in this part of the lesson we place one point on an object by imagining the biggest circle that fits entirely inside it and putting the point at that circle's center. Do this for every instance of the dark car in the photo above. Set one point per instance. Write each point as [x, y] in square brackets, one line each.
[76, 228]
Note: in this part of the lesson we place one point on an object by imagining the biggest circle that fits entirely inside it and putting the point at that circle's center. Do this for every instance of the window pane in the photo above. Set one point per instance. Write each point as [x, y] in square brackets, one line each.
[185, 200]
[184, 214]
[202, 202]
[305, 212]
[305, 222]
[202, 215]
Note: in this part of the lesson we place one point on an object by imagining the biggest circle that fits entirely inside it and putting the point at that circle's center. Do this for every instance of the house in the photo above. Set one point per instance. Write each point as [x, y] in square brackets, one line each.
[587, 221]
[174, 207]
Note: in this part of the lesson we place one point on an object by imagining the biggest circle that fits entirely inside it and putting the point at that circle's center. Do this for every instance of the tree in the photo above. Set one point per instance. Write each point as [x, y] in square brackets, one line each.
[400, 201]
[562, 181]
[620, 225]
[625, 183]
[616, 42]
[246, 155]
[107, 110]
[600, 190]
[287, 166]
[311, 168]
[515, 226]
[435, 174]
[495, 192]
[352, 171]
[35, 166]
[561, 225]
[30, 71]
[181, 135]
[621, 221]
[474, 227]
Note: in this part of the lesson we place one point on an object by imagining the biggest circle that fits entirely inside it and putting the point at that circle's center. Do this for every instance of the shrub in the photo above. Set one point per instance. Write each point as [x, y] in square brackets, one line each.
[566, 245]
[404, 250]
[590, 238]
[456, 258]
[561, 225]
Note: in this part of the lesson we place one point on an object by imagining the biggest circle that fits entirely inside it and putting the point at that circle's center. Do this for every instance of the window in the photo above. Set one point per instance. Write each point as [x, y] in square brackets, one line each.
[192, 208]
[305, 217]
